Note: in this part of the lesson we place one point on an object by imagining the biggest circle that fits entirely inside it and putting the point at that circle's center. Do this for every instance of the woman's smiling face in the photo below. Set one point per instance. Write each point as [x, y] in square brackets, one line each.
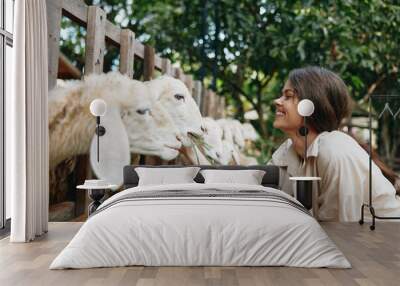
[286, 116]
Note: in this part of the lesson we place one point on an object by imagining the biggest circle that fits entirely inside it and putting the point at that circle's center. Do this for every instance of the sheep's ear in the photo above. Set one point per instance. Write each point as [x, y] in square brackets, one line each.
[163, 85]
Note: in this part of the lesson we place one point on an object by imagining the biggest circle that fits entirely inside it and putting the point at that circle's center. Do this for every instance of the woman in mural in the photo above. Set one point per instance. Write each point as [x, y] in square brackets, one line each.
[333, 155]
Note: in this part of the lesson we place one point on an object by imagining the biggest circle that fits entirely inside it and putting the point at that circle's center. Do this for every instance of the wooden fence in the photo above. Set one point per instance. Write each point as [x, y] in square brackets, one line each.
[100, 31]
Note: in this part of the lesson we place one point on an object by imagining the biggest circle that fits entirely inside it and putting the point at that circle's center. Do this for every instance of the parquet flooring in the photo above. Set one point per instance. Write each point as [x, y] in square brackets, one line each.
[375, 257]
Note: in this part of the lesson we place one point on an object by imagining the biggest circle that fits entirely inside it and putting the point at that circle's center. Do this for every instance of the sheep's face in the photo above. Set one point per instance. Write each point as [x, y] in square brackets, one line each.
[213, 139]
[229, 153]
[232, 130]
[249, 133]
[226, 129]
[237, 133]
[151, 130]
[174, 96]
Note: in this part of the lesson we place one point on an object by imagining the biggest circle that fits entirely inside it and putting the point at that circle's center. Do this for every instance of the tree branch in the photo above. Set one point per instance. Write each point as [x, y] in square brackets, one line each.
[375, 84]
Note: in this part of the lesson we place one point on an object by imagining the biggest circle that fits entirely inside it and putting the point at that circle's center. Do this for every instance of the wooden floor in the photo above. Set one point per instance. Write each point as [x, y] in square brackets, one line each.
[375, 257]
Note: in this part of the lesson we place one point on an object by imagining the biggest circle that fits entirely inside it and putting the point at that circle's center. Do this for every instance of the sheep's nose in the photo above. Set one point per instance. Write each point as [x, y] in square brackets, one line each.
[218, 155]
[203, 129]
[178, 138]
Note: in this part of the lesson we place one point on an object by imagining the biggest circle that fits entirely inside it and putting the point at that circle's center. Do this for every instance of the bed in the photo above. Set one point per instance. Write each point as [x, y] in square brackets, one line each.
[198, 224]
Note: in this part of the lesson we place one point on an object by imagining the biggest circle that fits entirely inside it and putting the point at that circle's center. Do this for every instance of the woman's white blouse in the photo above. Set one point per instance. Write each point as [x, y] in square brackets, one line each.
[343, 166]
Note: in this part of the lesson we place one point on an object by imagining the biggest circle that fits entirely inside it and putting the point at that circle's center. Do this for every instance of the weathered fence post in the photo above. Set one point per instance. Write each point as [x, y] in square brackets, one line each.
[54, 14]
[204, 102]
[189, 83]
[218, 106]
[207, 102]
[211, 104]
[178, 73]
[149, 68]
[127, 52]
[215, 105]
[148, 74]
[166, 67]
[221, 107]
[197, 92]
[94, 59]
[95, 40]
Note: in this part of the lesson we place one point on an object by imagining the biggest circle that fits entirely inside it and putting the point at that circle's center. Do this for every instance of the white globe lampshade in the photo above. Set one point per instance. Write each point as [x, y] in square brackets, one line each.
[98, 107]
[305, 107]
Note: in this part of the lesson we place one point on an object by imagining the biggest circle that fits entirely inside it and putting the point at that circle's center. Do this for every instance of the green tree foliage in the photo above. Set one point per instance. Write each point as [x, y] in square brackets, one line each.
[251, 45]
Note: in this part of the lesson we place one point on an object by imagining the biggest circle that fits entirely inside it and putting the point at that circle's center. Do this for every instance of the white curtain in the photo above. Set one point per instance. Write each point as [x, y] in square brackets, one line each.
[27, 123]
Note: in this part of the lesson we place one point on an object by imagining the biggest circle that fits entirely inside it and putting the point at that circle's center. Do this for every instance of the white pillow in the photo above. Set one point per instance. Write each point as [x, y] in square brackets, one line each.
[248, 177]
[165, 176]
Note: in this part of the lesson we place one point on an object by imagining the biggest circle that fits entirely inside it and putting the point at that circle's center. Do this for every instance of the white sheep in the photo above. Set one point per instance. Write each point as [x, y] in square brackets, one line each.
[213, 139]
[234, 136]
[177, 100]
[71, 126]
[249, 132]
[219, 149]
[232, 131]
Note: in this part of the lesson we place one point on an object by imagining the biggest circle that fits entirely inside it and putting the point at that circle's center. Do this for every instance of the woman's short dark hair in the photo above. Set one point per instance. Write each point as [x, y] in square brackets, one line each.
[327, 91]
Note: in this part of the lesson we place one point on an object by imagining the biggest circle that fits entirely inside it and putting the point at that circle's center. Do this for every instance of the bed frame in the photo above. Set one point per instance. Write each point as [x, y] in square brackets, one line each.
[270, 179]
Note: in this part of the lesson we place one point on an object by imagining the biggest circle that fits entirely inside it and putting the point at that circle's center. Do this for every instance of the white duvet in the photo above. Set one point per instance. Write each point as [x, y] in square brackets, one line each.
[192, 231]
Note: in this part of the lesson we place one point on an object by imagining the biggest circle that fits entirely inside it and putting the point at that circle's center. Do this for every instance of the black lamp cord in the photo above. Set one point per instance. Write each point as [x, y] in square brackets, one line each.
[305, 140]
[98, 137]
